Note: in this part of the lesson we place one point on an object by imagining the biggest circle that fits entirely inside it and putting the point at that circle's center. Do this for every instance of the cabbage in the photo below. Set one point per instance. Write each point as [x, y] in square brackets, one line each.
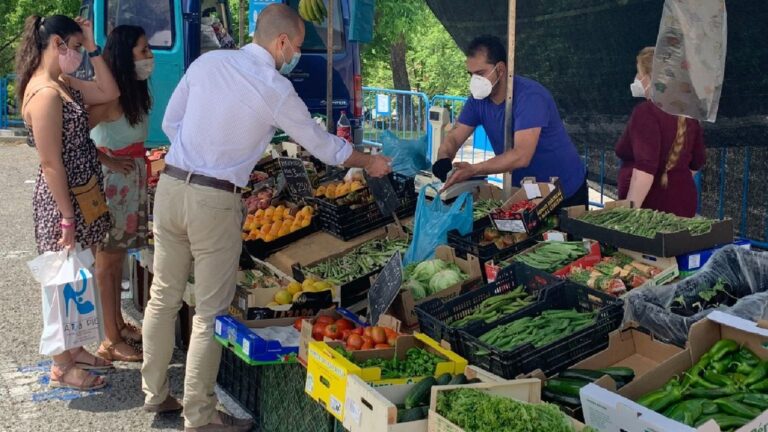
[425, 270]
[418, 289]
[445, 279]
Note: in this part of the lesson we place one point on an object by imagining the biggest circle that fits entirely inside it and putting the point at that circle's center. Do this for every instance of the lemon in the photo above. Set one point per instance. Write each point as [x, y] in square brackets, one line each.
[293, 287]
[321, 286]
[296, 296]
[283, 297]
[307, 285]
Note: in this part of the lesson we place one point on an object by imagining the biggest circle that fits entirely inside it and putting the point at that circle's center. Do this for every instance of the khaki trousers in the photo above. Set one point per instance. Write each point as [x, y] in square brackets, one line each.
[204, 224]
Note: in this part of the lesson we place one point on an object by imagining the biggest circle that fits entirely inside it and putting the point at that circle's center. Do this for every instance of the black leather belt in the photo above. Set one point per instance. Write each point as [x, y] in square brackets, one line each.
[201, 180]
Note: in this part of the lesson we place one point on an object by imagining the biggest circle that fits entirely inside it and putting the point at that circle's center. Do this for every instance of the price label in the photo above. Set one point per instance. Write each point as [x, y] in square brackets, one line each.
[384, 194]
[296, 178]
[385, 288]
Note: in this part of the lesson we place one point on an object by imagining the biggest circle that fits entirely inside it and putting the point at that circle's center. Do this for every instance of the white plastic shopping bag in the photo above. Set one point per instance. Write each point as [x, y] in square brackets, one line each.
[71, 307]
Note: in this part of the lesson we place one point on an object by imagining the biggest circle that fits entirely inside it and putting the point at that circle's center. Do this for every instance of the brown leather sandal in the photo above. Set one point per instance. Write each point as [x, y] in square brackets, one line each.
[88, 382]
[91, 362]
[110, 352]
[131, 332]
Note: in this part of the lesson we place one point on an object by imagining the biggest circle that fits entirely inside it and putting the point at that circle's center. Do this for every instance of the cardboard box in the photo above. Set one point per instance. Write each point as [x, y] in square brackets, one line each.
[545, 196]
[608, 411]
[355, 292]
[327, 370]
[690, 262]
[250, 347]
[404, 305]
[668, 266]
[373, 409]
[663, 245]
[307, 324]
[524, 390]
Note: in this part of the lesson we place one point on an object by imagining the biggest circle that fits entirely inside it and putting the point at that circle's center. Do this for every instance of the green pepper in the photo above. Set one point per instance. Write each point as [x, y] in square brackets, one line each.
[725, 421]
[686, 412]
[699, 382]
[732, 407]
[649, 399]
[697, 369]
[722, 348]
[716, 378]
[709, 407]
[757, 374]
[761, 386]
[741, 367]
[757, 400]
[711, 393]
[745, 355]
[675, 394]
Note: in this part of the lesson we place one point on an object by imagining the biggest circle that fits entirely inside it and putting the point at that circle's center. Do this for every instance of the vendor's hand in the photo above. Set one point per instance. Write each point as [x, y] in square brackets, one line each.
[67, 240]
[441, 168]
[122, 165]
[462, 171]
[87, 28]
[378, 166]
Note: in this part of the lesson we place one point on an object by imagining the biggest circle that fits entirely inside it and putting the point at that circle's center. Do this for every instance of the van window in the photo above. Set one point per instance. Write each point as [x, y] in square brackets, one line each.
[317, 34]
[154, 16]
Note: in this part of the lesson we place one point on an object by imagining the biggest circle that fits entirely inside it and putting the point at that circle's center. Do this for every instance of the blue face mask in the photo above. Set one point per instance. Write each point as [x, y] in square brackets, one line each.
[287, 67]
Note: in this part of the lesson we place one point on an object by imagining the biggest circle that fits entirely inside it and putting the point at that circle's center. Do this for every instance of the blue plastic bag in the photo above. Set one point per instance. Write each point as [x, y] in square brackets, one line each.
[408, 156]
[433, 221]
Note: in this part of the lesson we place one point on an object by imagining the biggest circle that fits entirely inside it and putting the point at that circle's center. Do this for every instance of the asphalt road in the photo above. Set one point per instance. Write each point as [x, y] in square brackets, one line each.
[26, 402]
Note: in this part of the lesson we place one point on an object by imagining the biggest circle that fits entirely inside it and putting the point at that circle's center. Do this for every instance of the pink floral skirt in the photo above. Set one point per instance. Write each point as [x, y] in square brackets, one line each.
[127, 200]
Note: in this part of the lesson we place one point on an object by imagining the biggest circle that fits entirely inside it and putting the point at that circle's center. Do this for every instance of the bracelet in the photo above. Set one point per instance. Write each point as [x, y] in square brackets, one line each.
[69, 225]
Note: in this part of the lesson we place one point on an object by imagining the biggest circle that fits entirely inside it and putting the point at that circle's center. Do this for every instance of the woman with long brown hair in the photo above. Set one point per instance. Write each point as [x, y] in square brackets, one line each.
[659, 152]
[120, 130]
[68, 202]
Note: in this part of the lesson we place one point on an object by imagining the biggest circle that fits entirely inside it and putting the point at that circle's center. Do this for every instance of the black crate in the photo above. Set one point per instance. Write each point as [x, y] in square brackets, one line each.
[557, 355]
[357, 225]
[350, 293]
[273, 395]
[260, 249]
[436, 315]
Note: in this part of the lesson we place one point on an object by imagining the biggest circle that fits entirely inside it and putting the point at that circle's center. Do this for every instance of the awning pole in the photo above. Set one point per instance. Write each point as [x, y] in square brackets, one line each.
[329, 68]
[508, 126]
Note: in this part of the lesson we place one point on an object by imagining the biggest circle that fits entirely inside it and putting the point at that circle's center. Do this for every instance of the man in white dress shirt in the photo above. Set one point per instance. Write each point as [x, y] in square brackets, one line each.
[220, 120]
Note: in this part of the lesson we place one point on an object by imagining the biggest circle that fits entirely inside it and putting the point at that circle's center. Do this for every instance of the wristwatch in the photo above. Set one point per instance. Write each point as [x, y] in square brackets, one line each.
[95, 53]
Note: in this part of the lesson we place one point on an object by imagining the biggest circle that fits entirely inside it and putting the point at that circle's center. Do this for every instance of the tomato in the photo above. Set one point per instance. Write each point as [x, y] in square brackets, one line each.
[345, 334]
[318, 331]
[382, 346]
[358, 331]
[368, 339]
[389, 332]
[378, 335]
[297, 323]
[367, 345]
[367, 331]
[354, 342]
[325, 319]
[331, 331]
[392, 340]
[344, 324]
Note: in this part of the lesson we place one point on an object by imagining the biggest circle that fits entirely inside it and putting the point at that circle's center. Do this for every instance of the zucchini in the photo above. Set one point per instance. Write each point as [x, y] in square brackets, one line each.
[623, 374]
[419, 394]
[581, 374]
[444, 379]
[459, 379]
[561, 399]
[566, 386]
[409, 415]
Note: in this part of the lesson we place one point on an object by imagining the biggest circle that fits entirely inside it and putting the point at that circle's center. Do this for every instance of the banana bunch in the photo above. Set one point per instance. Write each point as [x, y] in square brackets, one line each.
[313, 10]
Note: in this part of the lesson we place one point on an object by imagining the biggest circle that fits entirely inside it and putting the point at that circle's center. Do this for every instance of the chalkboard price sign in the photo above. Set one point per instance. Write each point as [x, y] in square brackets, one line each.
[383, 193]
[385, 288]
[296, 178]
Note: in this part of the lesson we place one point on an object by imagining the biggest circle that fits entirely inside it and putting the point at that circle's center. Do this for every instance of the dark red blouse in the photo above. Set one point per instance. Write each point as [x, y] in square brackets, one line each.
[645, 145]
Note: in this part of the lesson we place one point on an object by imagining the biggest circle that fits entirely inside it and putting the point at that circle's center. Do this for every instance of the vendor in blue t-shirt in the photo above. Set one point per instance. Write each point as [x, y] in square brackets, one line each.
[542, 147]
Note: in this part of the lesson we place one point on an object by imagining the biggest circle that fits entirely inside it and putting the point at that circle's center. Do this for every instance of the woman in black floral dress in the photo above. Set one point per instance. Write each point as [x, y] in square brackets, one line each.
[68, 200]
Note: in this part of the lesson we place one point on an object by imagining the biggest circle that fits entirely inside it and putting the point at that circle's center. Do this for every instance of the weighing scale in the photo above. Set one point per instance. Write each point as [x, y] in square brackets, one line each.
[439, 119]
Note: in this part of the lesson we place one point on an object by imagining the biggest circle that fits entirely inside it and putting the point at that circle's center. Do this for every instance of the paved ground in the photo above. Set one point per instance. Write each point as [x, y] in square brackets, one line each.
[26, 403]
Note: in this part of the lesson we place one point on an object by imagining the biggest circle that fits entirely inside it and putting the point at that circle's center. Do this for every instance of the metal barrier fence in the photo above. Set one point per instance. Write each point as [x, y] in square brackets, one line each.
[723, 191]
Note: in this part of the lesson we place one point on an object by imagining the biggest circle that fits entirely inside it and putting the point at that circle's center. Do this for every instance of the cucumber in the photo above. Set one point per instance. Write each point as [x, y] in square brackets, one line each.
[566, 386]
[419, 394]
[459, 379]
[409, 415]
[581, 374]
[561, 399]
[444, 379]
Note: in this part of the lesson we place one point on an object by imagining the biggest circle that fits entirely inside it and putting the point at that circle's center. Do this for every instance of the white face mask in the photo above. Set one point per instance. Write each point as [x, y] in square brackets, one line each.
[637, 88]
[480, 86]
[144, 68]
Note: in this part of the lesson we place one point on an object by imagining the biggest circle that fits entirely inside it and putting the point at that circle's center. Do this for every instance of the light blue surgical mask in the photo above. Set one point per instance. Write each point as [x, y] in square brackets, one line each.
[287, 67]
